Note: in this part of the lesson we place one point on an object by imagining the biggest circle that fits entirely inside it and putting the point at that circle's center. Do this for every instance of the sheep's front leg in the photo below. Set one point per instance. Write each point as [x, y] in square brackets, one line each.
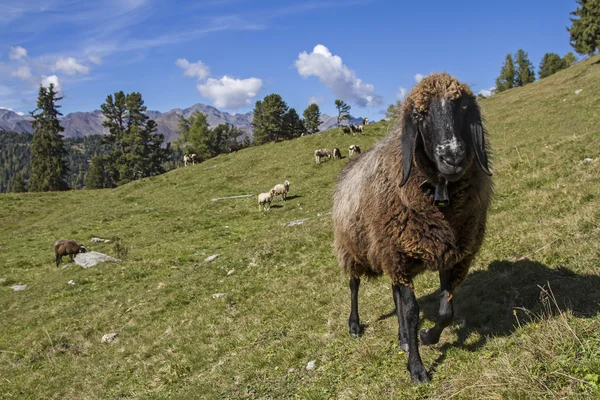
[354, 320]
[70, 258]
[402, 328]
[446, 312]
[410, 316]
[58, 259]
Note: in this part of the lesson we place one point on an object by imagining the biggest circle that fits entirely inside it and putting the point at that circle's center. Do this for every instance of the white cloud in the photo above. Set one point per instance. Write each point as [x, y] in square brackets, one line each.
[23, 73]
[487, 92]
[70, 66]
[418, 77]
[315, 100]
[334, 74]
[197, 69]
[401, 94]
[16, 53]
[95, 59]
[47, 80]
[228, 92]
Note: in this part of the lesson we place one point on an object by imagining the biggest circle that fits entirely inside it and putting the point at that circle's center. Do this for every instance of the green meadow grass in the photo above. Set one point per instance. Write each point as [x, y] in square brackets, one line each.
[526, 321]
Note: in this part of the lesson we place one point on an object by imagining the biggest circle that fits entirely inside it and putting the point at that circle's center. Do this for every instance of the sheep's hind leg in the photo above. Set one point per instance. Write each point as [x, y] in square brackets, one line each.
[445, 314]
[354, 320]
[402, 328]
[410, 316]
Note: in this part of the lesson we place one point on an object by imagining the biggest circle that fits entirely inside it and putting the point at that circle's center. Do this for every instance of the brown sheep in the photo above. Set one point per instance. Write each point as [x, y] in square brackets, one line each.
[418, 200]
[67, 247]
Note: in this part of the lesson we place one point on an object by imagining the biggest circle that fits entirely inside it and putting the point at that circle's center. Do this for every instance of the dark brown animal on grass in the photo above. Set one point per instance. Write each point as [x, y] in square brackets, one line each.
[417, 201]
[336, 153]
[346, 129]
[67, 247]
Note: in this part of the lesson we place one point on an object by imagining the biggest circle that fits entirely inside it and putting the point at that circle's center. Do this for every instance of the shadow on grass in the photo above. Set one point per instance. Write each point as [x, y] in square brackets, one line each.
[486, 301]
[296, 196]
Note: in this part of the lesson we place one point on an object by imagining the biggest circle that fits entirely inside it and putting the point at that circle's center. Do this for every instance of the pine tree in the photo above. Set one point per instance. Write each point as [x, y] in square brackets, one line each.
[393, 111]
[19, 184]
[294, 127]
[585, 30]
[551, 64]
[138, 151]
[96, 176]
[269, 119]
[570, 59]
[343, 111]
[525, 73]
[311, 118]
[194, 136]
[48, 167]
[506, 80]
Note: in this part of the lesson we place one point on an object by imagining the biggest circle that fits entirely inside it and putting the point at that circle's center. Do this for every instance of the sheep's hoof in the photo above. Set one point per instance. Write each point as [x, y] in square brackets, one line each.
[355, 329]
[428, 337]
[404, 347]
[419, 374]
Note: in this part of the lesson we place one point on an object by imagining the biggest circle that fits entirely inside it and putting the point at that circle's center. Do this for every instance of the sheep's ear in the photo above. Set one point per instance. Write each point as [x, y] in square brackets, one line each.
[408, 140]
[477, 136]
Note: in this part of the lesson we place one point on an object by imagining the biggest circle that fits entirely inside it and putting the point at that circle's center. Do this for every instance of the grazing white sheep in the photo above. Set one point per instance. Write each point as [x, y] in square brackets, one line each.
[321, 153]
[360, 128]
[264, 200]
[189, 158]
[281, 189]
[353, 150]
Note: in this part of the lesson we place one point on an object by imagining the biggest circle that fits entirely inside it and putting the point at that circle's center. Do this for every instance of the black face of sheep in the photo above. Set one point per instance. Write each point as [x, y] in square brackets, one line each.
[82, 249]
[450, 133]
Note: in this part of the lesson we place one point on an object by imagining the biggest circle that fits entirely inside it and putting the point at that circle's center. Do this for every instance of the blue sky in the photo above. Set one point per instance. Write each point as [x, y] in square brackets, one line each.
[230, 53]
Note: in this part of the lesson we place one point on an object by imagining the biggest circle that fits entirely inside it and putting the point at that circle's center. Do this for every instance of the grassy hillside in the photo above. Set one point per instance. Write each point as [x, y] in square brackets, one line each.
[526, 322]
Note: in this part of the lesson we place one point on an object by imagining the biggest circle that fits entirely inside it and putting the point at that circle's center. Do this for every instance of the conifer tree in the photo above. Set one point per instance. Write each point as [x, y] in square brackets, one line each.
[138, 151]
[570, 59]
[48, 167]
[585, 29]
[269, 119]
[311, 118]
[343, 111]
[19, 184]
[525, 72]
[551, 63]
[506, 80]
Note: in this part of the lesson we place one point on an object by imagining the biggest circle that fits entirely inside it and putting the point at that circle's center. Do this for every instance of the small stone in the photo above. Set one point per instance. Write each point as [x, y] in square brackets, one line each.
[109, 337]
[310, 366]
[92, 258]
[578, 91]
[230, 272]
[210, 258]
[291, 370]
[96, 240]
[71, 282]
[218, 295]
[18, 288]
[226, 227]
[587, 160]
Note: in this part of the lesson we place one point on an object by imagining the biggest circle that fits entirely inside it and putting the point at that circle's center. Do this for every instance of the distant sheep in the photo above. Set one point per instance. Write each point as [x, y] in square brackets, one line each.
[353, 150]
[346, 129]
[281, 189]
[189, 158]
[264, 200]
[417, 201]
[321, 153]
[365, 121]
[337, 154]
[360, 128]
[67, 247]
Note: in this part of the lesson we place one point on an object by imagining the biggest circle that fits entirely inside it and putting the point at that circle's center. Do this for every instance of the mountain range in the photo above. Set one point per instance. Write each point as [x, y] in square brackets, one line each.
[78, 124]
